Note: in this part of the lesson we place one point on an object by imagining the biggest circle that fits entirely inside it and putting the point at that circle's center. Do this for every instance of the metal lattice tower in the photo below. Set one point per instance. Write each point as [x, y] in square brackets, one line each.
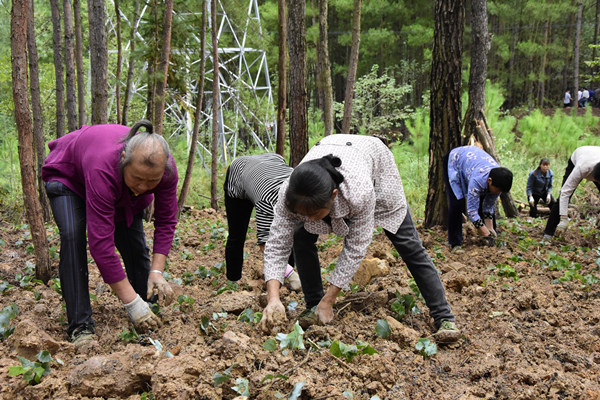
[246, 109]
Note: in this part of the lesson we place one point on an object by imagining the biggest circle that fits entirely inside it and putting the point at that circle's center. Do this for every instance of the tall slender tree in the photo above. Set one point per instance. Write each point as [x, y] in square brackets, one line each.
[197, 115]
[33, 211]
[352, 65]
[119, 62]
[445, 109]
[282, 68]
[98, 61]
[36, 104]
[79, 63]
[58, 68]
[576, 48]
[72, 122]
[298, 93]
[162, 73]
[130, 68]
[216, 107]
[323, 60]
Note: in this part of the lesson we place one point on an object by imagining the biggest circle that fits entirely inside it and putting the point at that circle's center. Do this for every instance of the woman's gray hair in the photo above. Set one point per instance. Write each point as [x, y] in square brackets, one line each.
[135, 140]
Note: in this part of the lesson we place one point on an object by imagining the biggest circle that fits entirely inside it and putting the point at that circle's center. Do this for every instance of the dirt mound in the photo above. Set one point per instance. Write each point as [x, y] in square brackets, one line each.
[529, 314]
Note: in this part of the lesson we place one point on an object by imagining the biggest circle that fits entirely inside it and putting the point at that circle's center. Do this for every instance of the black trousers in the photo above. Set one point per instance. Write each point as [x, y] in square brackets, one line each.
[238, 212]
[456, 208]
[533, 211]
[554, 217]
[70, 216]
[409, 246]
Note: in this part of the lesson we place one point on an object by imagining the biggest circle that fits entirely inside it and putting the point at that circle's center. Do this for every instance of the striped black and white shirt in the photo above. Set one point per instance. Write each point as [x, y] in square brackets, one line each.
[258, 178]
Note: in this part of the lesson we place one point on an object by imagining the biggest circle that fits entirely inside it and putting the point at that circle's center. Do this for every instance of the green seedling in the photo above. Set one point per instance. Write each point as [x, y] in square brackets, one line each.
[250, 316]
[349, 351]
[382, 328]
[229, 286]
[9, 312]
[147, 396]
[129, 336]
[426, 347]
[292, 340]
[5, 286]
[184, 303]
[187, 255]
[404, 305]
[242, 387]
[33, 371]
[220, 378]
[507, 271]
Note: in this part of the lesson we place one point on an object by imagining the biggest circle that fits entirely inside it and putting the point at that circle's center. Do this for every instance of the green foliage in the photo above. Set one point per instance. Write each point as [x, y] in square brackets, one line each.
[129, 335]
[185, 302]
[242, 387]
[9, 312]
[507, 271]
[292, 340]
[404, 305]
[221, 377]
[349, 351]
[382, 328]
[250, 316]
[33, 371]
[425, 347]
[147, 396]
[5, 286]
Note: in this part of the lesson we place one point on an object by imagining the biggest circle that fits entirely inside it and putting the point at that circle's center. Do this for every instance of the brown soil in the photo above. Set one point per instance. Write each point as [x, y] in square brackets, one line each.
[529, 338]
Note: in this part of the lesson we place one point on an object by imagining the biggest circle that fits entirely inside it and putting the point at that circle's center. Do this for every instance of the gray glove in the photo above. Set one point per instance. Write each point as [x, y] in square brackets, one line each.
[294, 280]
[548, 198]
[142, 316]
[531, 202]
[562, 225]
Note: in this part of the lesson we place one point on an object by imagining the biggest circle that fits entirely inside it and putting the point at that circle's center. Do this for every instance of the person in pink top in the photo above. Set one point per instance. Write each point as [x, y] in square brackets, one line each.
[103, 177]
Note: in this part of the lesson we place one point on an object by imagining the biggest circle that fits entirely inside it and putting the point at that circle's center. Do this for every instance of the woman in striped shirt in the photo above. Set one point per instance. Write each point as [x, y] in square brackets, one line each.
[253, 182]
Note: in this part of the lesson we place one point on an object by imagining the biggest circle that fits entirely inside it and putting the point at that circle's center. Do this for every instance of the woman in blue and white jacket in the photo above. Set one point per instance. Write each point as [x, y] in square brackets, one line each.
[539, 187]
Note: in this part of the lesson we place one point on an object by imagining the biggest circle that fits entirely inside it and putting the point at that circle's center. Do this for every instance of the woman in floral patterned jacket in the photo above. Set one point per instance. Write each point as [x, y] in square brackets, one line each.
[346, 184]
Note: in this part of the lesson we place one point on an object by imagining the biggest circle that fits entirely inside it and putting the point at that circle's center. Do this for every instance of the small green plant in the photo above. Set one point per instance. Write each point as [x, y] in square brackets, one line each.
[292, 340]
[426, 347]
[9, 312]
[184, 303]
[404, 305]
[250, 316]
[129, 336]
[33, 371]
[187, 255]
[147, 396]
[242, 387]
[349, 351]
[221, 377]
[507, 271]
[229, 286]
[382, 328]
[5, 286]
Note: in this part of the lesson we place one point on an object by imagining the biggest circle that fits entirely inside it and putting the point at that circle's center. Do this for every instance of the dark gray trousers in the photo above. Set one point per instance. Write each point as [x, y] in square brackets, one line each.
[69, 213]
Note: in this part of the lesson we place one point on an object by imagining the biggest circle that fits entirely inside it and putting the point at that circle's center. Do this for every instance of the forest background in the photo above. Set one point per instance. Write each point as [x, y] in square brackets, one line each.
[530, 65]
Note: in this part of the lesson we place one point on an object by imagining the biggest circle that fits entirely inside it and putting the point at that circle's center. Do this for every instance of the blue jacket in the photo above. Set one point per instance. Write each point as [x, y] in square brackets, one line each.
[539, 184]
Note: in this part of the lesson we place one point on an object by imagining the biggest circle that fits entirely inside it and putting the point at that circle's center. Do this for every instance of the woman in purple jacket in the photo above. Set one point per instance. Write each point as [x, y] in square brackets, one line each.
[104, 176]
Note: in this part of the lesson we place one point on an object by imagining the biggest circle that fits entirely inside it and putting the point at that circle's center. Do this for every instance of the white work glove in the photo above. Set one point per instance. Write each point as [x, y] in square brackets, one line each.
[562, 225]
[294, 281]
[158, 284]
[531, 202]
[142, 316]
[548, 198]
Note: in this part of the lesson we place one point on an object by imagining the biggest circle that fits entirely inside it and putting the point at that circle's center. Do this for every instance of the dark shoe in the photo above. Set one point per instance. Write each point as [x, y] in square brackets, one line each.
[81, 335]
[447, 333]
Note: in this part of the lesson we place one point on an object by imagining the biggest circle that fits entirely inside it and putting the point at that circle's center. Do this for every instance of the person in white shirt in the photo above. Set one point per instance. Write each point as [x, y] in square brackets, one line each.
[567, 99]
[346, 184]
[583, 164]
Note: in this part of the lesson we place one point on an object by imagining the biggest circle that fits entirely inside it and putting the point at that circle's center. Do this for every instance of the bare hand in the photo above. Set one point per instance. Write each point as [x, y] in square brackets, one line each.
[324, 312]
[158, 284]
[273, 316]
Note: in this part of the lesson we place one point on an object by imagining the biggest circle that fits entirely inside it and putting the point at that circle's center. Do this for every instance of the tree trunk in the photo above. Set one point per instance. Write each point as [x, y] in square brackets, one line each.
[282, 68]
[542, 87]
[33, 211]
[58, 69]
[36, 104]
[98, 62]
[323, 60]
[565, 83]
[159, 99]
[119, 62]
[197, 116]
[70, 67]
[298, 95]
[129, 85]
[594, 68]
[576, 49]
[215, 107]
[347, 121]
[79, 63]
[445, 109]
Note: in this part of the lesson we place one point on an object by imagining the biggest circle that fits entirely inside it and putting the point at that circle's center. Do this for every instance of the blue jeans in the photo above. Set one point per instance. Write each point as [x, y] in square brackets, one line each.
[70, 216]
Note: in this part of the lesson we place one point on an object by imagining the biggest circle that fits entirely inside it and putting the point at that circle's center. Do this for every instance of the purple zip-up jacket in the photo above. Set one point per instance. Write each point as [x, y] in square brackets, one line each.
[87, 162]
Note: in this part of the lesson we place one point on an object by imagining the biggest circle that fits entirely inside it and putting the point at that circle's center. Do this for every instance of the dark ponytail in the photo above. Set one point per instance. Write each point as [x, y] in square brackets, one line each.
[542, 161]
[136, 127]
[312, 184]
